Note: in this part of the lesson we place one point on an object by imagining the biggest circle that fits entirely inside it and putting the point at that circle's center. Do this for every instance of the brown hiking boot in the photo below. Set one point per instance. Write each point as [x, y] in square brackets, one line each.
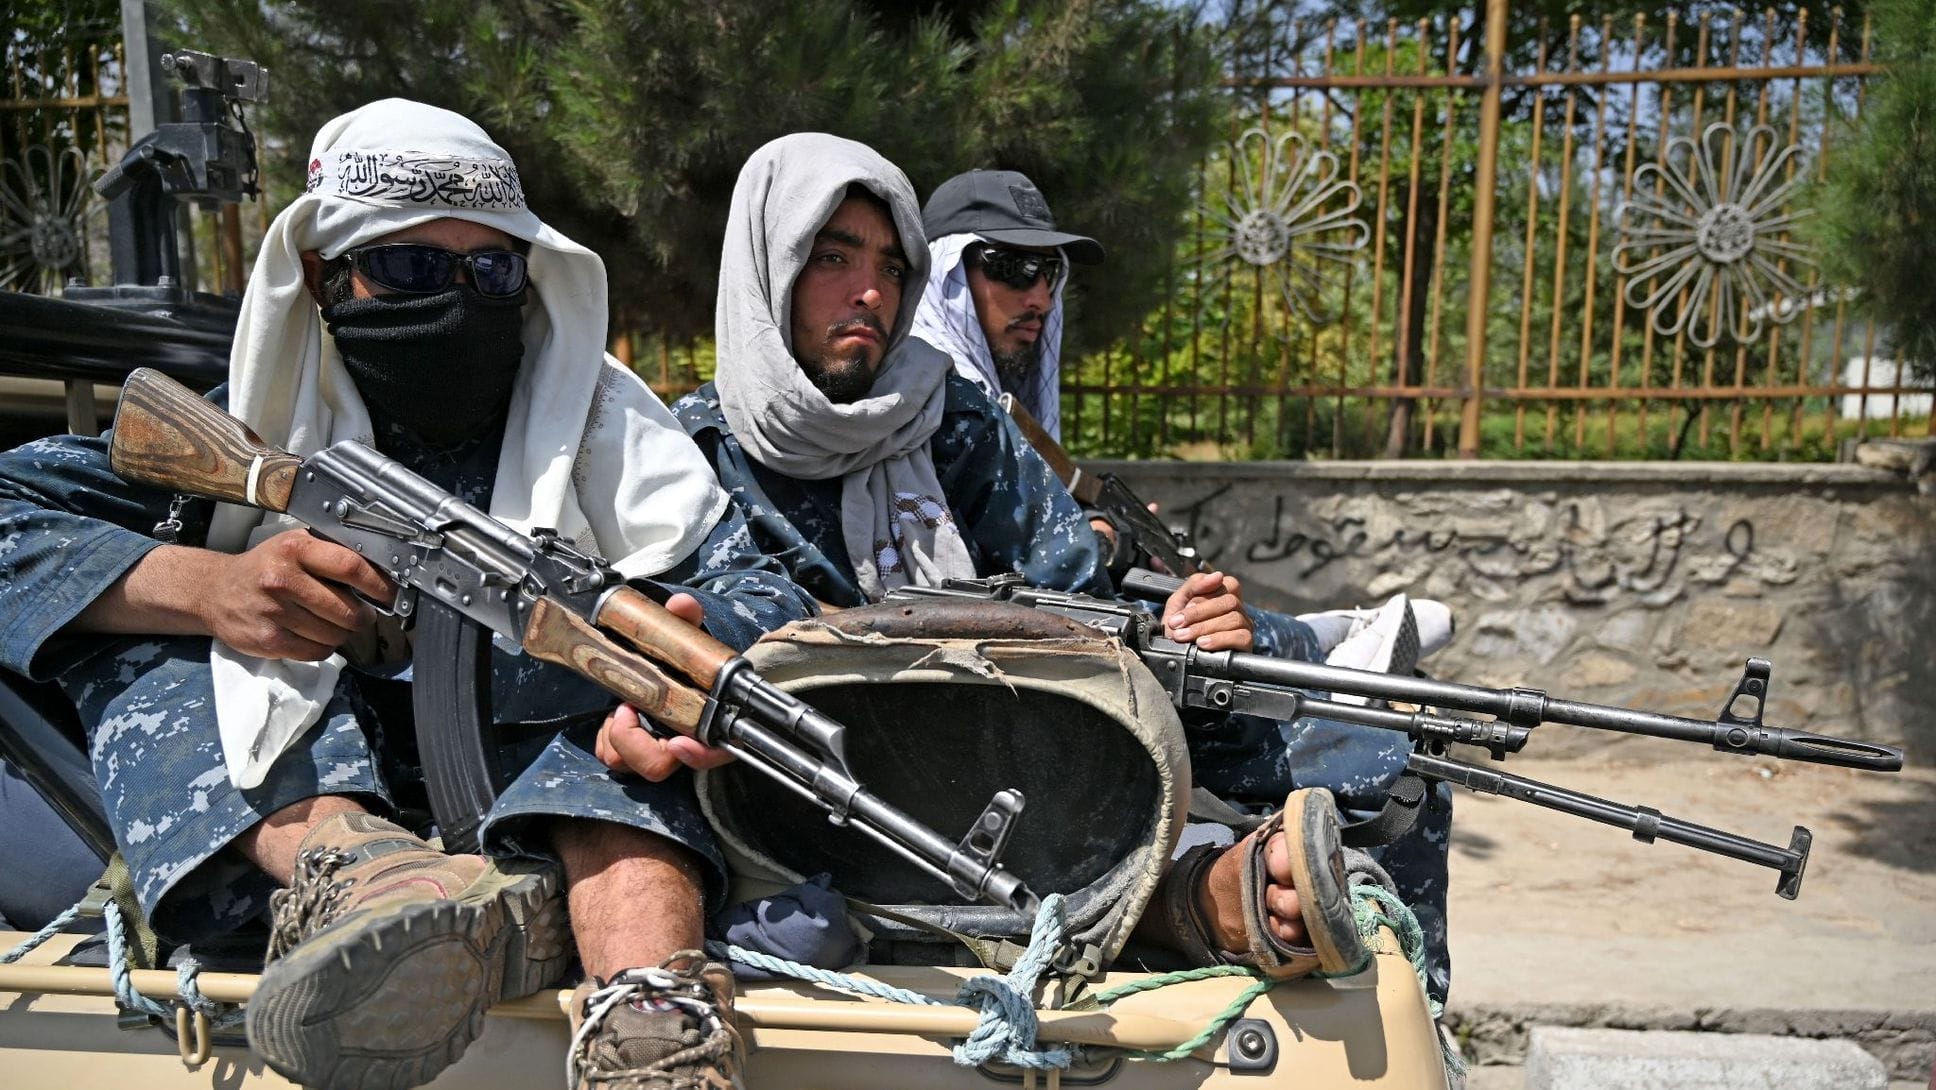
[669, 1028]
[385, 953]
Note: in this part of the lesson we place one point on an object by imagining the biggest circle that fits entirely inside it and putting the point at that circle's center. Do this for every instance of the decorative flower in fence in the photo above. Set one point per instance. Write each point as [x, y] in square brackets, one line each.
[1704, 254]
[1289, 216]
[46, 206]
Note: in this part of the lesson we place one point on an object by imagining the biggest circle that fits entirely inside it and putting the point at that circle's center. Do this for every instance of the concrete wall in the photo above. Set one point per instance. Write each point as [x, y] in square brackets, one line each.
[1645, 584]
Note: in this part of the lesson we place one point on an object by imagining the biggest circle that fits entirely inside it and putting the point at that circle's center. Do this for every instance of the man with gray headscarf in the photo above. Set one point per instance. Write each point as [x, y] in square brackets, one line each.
[864, 463]
[247, 754]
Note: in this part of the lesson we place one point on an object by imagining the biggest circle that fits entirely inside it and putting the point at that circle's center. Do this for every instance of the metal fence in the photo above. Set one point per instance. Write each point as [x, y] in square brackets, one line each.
[63, 116]
[1405, 248]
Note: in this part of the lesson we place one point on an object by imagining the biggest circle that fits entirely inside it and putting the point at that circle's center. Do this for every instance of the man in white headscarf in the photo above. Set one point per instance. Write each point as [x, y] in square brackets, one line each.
[410, 300]
[993, 302]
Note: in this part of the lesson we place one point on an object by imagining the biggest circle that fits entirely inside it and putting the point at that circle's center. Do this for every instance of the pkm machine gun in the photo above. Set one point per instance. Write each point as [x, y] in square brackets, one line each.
[1229, 681]
[150, 312]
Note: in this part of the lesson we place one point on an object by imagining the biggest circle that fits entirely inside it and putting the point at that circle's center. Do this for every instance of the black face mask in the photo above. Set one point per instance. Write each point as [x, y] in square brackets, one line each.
[441, 365]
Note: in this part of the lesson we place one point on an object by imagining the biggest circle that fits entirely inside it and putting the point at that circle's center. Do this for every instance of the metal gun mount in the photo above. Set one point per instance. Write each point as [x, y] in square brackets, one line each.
[209, 157]
[244, 81]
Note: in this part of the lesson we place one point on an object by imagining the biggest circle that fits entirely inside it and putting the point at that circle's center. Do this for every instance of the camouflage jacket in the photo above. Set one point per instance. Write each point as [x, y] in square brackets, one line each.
[1013, 513]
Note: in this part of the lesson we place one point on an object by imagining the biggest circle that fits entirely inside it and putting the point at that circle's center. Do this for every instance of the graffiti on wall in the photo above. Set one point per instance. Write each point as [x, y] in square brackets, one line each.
[1650, 551]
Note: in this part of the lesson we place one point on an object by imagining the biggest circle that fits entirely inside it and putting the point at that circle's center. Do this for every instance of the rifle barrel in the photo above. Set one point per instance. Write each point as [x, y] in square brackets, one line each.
[1531, 707]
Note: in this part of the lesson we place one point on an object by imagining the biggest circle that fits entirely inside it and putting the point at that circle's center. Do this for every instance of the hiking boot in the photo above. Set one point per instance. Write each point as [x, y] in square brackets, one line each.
[385, 954]
[669, 1028]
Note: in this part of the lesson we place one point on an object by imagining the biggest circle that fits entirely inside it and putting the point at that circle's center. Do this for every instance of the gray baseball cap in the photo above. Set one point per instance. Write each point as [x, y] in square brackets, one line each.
[1002, 205]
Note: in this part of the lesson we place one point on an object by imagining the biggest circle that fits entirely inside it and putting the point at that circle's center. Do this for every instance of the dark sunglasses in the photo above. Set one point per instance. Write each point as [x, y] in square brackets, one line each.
[419, 269]
[1019, 269]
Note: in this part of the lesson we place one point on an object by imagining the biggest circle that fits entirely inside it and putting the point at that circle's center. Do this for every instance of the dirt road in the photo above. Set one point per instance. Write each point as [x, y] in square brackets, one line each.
[1554, 919]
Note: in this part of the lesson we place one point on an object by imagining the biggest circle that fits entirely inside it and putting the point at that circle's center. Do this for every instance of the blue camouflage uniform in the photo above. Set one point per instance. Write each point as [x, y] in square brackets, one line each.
[1016, 516]
[69, 528]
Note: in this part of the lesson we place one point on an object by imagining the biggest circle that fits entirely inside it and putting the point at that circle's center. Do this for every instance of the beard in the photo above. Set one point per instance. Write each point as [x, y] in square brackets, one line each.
[842, 379]
[1014, 369]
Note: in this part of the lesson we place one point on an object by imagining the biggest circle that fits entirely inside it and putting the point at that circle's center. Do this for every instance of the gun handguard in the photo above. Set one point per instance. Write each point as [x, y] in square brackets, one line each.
[556, 602]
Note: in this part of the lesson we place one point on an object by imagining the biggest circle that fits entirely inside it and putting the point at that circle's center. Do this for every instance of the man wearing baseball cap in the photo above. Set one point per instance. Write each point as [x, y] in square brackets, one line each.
[994, 299]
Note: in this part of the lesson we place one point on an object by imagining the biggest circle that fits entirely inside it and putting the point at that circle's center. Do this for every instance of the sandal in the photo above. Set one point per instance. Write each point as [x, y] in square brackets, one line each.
[1309, 821]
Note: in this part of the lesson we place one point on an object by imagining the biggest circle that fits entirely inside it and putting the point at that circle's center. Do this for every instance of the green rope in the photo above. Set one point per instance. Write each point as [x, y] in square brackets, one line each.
[1222, 1018]
[1372, 906]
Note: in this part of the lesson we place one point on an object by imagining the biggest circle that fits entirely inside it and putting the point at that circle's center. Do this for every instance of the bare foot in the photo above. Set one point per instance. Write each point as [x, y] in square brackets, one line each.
[1221, 900]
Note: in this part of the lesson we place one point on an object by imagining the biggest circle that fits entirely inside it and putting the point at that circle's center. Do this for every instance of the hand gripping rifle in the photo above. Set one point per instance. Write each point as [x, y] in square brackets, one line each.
[558, 604]
[1230, 681]
[1142, 541]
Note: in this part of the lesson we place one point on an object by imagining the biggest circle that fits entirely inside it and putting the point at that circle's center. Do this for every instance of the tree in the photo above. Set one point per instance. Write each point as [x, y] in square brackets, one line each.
[633, 117]
[1879, 212]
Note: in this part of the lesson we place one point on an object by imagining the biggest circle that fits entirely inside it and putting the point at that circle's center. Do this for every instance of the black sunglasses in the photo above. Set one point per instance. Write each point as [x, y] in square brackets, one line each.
[419, 269]
[1019, 269]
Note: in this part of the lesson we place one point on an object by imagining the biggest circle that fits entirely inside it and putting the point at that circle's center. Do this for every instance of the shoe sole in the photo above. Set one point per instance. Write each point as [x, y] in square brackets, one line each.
[1317, 873]
[396, 996]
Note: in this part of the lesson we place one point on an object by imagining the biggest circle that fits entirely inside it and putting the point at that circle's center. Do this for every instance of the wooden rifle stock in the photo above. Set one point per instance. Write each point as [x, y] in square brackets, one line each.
[167, 436]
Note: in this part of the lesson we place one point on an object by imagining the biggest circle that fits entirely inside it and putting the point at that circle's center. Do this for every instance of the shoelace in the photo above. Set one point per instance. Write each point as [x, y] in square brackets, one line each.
[661, 985]
[312, 901]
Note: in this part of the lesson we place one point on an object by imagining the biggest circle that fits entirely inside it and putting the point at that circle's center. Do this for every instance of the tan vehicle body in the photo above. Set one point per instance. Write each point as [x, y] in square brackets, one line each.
[59, 1029]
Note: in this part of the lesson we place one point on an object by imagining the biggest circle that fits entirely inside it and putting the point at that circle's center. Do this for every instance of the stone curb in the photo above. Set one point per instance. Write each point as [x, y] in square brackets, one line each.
[1905, 1041]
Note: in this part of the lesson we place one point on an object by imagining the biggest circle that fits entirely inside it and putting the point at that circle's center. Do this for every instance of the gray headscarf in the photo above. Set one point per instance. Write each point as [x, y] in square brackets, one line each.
[896, 522]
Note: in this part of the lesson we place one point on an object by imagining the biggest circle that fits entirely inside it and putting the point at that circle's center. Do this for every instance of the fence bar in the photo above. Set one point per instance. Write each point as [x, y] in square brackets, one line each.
[1593, 241]
[1438, 241]
[1486, 181]
[1564, 213]
[1530, 257]
[1702, 74]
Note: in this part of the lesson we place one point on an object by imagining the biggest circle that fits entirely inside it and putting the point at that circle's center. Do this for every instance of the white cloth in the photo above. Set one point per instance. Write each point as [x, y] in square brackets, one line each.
[947, 320]
[896, 522]
[579, 422]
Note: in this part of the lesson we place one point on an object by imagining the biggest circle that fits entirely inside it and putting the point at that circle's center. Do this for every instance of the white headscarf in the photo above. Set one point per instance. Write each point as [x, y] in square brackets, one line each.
[947, 319]
[581, 427]
[896, 522]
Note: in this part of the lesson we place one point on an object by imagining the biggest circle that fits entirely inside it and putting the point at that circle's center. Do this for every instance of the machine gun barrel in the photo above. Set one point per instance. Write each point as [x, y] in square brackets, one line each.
[1532, 707]
[1734, 731]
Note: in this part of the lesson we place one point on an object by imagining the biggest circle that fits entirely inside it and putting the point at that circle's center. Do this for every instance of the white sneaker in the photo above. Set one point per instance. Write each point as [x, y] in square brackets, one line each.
[1333, 627]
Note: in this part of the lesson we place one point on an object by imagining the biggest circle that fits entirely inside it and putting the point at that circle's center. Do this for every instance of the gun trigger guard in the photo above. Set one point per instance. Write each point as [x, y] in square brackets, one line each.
[404, 605]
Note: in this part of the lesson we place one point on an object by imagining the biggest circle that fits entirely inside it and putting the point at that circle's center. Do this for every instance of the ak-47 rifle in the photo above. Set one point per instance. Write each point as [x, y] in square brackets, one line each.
[1142, 541]
[559, 604]
[1230, 681]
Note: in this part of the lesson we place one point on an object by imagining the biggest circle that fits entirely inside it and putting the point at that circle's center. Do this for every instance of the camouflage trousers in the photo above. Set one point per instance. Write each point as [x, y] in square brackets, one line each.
[1252, 761]
[157, 757]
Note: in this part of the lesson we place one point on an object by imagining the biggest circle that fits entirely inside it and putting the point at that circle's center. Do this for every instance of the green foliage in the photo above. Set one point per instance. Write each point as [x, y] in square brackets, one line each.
[1879, 215]
[631, 119]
